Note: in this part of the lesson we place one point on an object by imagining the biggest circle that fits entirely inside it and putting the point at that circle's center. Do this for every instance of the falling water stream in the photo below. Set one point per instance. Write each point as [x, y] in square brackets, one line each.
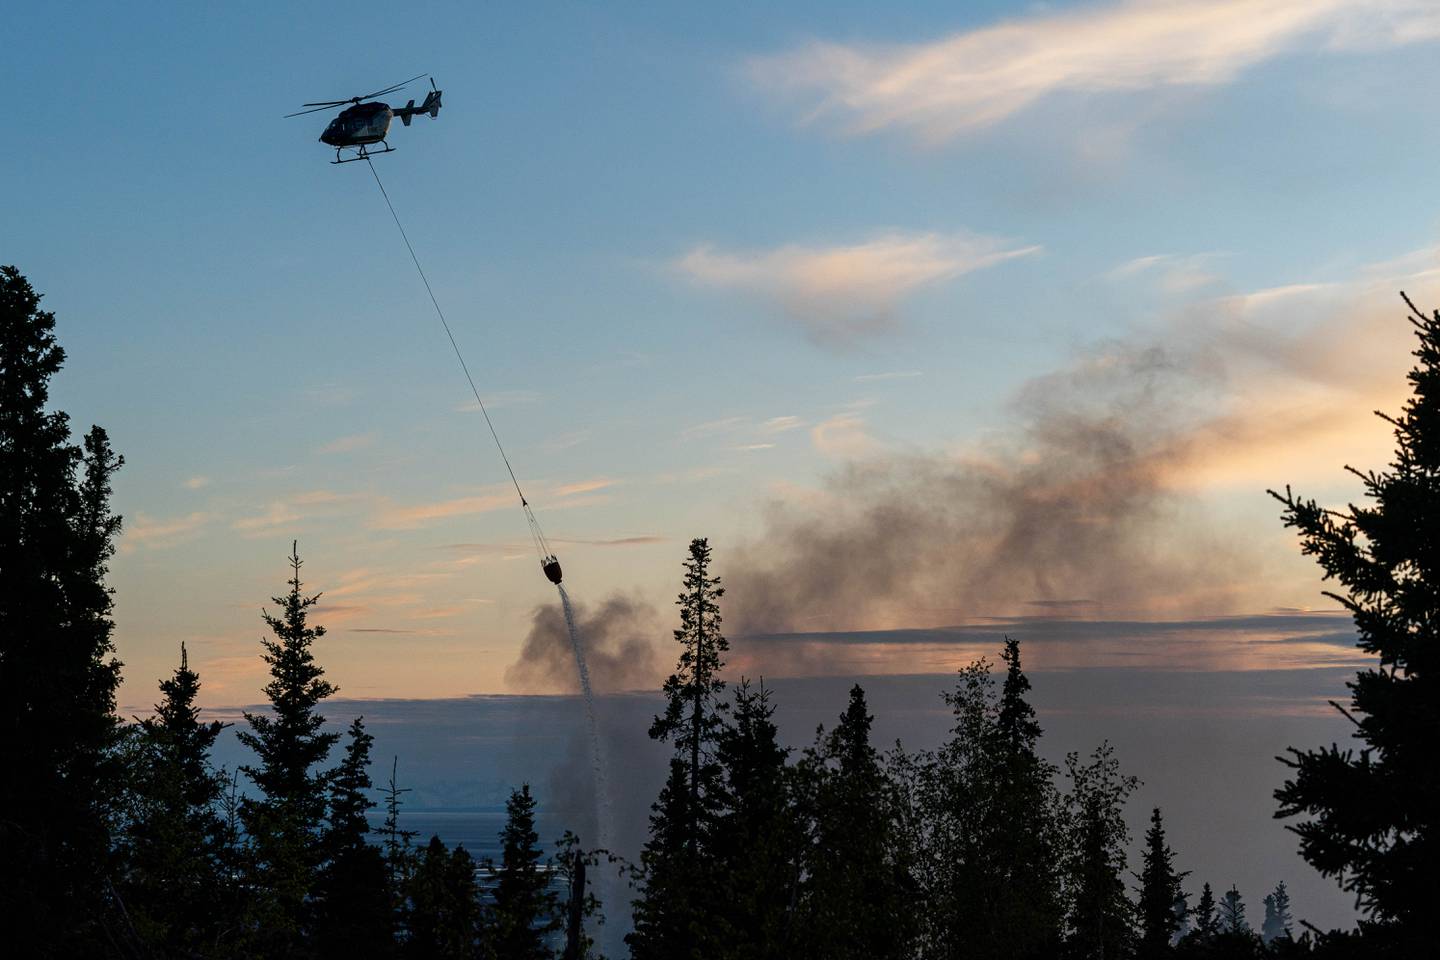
[597, 758]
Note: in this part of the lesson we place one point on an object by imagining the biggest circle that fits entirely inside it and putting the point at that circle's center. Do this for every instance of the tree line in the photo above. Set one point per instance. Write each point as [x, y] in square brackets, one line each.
[124, 840]
[980, 848]
[293, 867]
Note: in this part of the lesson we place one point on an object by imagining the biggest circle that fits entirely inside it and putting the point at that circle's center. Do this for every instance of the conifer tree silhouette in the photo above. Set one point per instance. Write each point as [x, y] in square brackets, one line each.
[399, 853]
[58, 674]
[757, 837]
[856, 900]
[1159, 892]
[1232, 913]
[524, 911]
[353, 903]
[173, 845]
[677, 884]
[1207, 921]
[1102, 918]
[1372, 820]
[445, 917]
[283, 823]
[1277, 914]
[993, 824]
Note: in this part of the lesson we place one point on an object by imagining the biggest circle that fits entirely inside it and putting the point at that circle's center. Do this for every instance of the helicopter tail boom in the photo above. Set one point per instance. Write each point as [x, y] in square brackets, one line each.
[430, 106]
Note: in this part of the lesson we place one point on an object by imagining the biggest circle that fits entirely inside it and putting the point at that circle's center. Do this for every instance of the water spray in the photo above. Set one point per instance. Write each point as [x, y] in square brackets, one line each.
[597, 754]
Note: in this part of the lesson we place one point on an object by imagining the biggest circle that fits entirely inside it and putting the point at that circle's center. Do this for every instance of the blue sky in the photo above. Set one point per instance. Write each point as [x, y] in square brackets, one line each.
[705, 264]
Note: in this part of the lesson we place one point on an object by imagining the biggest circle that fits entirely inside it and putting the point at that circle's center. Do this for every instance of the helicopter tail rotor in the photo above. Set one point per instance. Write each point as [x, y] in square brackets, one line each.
[430, 106]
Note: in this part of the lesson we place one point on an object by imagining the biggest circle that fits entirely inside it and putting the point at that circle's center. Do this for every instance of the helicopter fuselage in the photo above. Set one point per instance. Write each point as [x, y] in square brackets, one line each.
[357, 126]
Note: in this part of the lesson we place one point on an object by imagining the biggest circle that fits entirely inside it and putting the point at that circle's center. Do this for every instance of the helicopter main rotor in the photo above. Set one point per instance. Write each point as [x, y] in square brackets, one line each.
[331, 104]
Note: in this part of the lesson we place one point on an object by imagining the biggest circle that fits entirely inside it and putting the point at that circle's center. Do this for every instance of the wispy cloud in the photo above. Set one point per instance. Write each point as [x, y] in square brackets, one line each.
[143, 531]
[330, 394]
[712, 427]
[643, 540]
[843, 435]
[565, 441]
[583, 486]
[971, 80]
[694, 474]
[275, 516]
[499, 399]
[890, 375]
[392, 517]
[286, 513]
[1175, 275]
[196, 483]
[780, 425]
[313, 498]
[357, 441]
[840, 293]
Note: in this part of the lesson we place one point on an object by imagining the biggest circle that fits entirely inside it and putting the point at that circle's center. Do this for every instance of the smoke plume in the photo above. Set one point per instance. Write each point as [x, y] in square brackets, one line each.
[1082, 504]
[618, 638]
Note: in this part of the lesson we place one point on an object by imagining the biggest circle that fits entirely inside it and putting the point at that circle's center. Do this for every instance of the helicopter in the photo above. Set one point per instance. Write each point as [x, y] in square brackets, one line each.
[363, 123]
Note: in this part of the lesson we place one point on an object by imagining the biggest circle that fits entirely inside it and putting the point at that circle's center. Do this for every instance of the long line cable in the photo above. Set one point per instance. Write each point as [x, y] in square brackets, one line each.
[535, 533]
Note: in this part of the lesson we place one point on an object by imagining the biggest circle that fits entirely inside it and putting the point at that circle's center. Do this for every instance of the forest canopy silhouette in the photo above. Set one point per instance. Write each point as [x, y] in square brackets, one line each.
[123, 838]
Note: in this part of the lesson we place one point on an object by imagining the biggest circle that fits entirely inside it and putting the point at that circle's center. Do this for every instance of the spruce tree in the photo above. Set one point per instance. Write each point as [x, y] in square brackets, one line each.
[693, 718]
[284, 823]
[57, 671]
[524, 912]
[994, 822]
[856, 900]
[347, 825]
[1232, 913]
[1102, 918]
[756, 838]
[174, 842]
[445, 915]
[1159, 893]
[1277, 914]
[954, 787]
[1018, 726]
[1372, 819]
[398, 852]
[1025, 834]
[396, 843]
[354, 908]
[670, 913]
[1207, 921]
[677, 881]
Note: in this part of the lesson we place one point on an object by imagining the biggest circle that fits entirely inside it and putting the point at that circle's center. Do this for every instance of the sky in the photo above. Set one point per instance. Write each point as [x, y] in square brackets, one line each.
[938, 320]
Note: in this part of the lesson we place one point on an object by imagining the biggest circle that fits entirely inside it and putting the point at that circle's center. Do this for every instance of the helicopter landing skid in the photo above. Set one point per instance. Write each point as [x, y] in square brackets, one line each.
[363, 154]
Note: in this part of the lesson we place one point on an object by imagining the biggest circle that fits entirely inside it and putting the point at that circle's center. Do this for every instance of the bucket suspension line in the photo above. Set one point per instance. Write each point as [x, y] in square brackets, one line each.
[542, 547]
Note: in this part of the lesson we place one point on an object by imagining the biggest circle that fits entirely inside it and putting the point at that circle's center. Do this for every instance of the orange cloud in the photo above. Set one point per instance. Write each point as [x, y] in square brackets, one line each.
[408, 518]
[843, 435]
[144, 531]
[842, 292]
[972, 80]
